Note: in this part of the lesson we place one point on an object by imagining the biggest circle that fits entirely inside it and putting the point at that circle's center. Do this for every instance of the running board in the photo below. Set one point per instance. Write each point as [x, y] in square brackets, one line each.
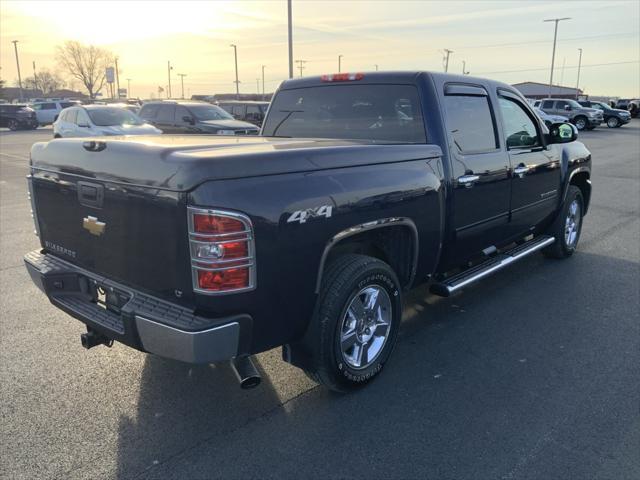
[456, 282]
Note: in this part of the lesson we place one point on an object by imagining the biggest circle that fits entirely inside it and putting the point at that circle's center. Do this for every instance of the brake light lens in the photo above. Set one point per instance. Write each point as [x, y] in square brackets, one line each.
[222, 251]
[342, 77]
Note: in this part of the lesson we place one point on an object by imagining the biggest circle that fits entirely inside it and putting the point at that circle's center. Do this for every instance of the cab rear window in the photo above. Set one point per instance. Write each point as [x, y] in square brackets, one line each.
[378, 113]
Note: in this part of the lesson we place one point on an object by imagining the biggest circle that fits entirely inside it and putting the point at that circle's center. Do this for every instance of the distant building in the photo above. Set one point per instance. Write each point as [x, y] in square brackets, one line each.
[541, 90]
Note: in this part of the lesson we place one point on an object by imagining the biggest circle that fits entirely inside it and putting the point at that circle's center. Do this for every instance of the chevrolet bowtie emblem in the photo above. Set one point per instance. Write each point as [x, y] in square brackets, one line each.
[94, 226]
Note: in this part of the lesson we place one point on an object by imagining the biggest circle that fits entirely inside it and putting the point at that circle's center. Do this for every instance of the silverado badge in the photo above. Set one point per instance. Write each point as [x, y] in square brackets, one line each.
[94, 226]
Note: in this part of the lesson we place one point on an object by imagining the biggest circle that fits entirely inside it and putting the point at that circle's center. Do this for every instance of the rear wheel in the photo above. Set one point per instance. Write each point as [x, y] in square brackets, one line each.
[567, 226]
[581, 123]
[612, 122]
[355, 326]
[12, 125]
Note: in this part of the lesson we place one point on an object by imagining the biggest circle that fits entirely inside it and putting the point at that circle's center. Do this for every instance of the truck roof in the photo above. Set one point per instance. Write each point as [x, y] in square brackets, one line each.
[399, 77]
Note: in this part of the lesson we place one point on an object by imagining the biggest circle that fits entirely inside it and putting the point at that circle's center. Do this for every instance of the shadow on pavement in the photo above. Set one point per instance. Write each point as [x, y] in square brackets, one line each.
[502, 381]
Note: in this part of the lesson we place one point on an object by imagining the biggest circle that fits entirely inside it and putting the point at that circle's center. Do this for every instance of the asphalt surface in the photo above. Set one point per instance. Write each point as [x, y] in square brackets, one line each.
[532, 374]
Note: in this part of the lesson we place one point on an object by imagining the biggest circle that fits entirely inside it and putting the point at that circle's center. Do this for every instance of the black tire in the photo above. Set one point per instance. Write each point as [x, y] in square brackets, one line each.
[581, 122]
[345, 278]
[57, 135]
[564, 246]
[13, 125]
[613, 122]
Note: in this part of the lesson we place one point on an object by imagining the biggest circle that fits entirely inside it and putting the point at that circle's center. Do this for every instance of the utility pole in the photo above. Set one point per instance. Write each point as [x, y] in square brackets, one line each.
[564, 60]
[235, 56]
[464, 67]
[182, 75]
[301, 65]
[340, 63]
[129, 88]
[258, 85]
[117, 80]
[15, 46]
[578, 80]
[35, 77]
[376, 65]
[169, 68]
[447, 52]
[553, 55]
[290, 39]
[263, 81]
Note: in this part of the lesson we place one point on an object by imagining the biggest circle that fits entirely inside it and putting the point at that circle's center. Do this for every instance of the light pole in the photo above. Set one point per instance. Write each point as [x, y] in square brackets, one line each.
[182, 75]
[464, 67]
[447, 52]
[15, 46]
[578, 80]
[290, 39]
[553, 55]
[35, 77]
[169, 68]
[263, 81]
[376, 65]
[117, 80]
[340, 63]
[235, 56]
[129, 88]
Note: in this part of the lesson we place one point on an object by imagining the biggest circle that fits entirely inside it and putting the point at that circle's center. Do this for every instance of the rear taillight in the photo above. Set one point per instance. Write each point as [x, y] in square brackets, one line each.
[342, 77]
[222, 251]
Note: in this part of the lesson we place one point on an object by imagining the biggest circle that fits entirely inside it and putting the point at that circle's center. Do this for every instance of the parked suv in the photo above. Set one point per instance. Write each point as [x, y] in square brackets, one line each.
[582, 117]
[613, 117]
[194, 117]
[15, 117]
[252, 112]
[47, 112]
[632, 105]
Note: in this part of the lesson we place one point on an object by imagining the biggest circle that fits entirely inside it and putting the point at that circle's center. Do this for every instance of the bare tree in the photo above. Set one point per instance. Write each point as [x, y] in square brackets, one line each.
[86, 63]
[46, 81]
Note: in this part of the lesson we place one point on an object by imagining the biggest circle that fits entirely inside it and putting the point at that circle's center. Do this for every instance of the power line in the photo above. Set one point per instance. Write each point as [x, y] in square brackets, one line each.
[529, 42]
[547, 68]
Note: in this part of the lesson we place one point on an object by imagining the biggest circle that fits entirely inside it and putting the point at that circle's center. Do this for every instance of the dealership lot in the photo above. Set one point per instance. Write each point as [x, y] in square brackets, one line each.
[531, 374]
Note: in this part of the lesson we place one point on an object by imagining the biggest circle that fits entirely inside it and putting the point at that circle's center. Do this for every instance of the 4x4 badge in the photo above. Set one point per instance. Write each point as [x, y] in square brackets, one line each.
[94, 226]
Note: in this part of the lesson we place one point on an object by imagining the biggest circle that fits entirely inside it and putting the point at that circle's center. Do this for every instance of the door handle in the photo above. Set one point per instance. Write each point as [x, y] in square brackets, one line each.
[468, 180]
[520, 170]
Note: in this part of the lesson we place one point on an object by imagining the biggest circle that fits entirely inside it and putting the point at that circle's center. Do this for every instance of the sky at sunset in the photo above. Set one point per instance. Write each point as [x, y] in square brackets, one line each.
[503, 40]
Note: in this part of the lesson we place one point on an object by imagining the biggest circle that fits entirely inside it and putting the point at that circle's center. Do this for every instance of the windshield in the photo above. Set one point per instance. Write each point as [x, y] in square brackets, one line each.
[209, 112]
[379, 113]
[112, 116]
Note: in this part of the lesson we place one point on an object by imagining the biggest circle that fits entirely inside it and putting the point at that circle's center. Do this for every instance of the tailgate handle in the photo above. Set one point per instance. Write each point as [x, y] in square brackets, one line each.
[90, 194]
[94, 146]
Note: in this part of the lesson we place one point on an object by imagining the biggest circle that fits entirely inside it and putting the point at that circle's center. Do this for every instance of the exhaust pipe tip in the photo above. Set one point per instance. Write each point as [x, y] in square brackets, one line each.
[246, 372]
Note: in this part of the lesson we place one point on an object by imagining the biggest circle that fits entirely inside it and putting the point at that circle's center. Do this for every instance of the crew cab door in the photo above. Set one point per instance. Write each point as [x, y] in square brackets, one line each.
[480, 171]
[165, 118]
[535, 183]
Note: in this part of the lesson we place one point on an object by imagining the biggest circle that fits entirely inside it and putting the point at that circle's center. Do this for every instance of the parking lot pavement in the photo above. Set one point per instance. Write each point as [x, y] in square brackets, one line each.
[530, 374]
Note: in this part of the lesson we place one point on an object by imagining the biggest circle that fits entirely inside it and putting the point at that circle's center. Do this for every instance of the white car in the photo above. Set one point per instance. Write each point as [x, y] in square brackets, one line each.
[100, 120]
[47, 111]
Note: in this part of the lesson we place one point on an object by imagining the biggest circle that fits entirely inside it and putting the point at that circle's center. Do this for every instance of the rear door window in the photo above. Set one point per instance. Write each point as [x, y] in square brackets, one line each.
[148, 112]
[166, 114]
[49, 106]
[470, 123]
[547, 104]
[377, 113]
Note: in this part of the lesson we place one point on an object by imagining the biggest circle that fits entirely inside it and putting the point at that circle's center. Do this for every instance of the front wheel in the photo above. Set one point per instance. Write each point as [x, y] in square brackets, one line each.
[355, 325]
[567, 226]
[581, 123]
[613, 122]
[13, 125]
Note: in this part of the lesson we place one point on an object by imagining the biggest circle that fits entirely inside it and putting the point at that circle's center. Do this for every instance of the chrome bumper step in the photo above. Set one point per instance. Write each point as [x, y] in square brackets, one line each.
[456, 282]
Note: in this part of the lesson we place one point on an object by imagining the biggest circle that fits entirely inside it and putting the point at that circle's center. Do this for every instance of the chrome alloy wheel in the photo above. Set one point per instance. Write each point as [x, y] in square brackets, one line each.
[572, 224]
[581, 123]
[365, 326]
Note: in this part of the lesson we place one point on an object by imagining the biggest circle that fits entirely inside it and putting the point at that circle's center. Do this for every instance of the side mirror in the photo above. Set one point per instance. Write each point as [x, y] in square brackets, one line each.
[189, 120]
[562, 133]
[567, 107]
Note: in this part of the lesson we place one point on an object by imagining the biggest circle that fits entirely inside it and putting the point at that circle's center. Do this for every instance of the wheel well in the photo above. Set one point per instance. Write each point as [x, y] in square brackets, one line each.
[395, 245]
[581, 180]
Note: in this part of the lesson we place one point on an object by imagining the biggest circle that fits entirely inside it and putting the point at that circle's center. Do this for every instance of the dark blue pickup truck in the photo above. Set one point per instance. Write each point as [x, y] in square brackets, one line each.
[361, 186]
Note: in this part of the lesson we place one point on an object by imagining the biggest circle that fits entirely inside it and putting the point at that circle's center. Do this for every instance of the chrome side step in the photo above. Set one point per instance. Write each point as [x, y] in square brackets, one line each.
[493, 264]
